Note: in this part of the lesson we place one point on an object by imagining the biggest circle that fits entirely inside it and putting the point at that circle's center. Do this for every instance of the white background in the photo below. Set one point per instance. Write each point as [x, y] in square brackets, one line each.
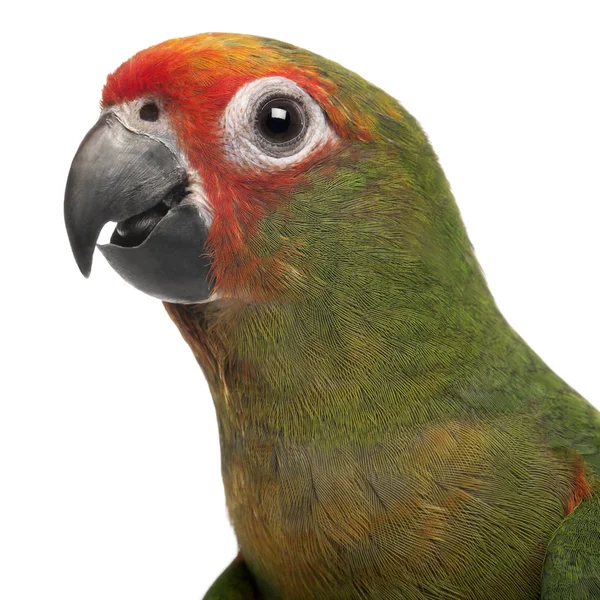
[109, 463]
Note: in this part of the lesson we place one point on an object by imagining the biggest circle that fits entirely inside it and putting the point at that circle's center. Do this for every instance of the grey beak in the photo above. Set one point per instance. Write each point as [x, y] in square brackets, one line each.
[137, 181]
[115, 174]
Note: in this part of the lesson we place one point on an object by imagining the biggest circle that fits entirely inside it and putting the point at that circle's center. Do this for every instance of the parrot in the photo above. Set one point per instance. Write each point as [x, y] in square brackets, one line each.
[384, 432]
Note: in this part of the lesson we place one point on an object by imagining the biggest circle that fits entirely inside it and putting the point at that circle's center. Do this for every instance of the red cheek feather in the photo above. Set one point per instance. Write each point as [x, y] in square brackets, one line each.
[241, 197]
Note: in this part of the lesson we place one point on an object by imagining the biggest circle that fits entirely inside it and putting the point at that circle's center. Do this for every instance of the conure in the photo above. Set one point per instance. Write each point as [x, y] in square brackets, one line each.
[384, 432]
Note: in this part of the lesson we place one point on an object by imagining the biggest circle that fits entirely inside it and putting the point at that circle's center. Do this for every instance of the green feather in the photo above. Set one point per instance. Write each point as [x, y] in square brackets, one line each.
[571, 569]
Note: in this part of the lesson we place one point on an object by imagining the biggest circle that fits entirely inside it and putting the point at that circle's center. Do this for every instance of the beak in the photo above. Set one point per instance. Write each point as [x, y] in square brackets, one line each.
[137, 181]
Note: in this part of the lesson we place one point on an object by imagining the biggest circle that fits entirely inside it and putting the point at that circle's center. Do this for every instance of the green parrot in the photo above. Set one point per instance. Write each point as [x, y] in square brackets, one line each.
[384, 432]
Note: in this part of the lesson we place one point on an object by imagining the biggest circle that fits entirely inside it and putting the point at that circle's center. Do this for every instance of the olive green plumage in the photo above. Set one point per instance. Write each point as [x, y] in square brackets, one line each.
[384, 432]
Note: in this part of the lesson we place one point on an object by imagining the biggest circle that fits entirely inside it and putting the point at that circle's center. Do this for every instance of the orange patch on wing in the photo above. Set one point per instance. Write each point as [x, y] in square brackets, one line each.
[581, 489]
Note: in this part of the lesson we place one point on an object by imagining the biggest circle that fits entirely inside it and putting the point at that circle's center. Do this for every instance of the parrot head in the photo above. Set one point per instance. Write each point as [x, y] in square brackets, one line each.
[246, 168]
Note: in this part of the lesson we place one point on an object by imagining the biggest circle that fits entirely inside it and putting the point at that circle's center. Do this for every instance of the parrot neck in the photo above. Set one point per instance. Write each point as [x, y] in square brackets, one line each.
[309, 370]
[386, 320]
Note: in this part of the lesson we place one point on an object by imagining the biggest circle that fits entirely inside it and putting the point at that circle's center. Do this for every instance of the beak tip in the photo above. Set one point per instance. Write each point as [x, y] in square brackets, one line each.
[84, 262]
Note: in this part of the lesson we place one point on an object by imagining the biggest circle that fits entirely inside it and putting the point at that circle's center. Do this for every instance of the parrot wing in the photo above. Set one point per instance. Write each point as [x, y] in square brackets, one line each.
[572, 565]
[235, 583]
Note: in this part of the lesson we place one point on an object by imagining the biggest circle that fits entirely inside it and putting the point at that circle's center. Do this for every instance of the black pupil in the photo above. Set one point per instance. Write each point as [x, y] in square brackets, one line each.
[280, 120]
[149, 112]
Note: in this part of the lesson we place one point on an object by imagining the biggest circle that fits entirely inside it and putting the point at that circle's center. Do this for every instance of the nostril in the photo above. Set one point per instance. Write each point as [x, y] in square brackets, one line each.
[149, 112]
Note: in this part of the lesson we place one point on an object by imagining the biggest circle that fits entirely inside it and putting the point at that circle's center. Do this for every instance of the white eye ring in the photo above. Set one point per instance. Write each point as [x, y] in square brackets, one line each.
[242, 140]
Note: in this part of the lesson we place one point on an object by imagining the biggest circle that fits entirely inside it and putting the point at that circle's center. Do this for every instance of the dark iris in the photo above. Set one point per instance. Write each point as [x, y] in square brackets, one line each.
[149, 112]
[280, 120]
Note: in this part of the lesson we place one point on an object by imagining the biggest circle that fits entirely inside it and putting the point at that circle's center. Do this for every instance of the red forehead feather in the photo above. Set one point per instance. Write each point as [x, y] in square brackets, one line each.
[201, 73]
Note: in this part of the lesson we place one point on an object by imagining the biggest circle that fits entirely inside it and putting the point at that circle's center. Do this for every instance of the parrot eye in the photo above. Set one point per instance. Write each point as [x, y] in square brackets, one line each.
[272, 121]
[149, 112]
[280, 120]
